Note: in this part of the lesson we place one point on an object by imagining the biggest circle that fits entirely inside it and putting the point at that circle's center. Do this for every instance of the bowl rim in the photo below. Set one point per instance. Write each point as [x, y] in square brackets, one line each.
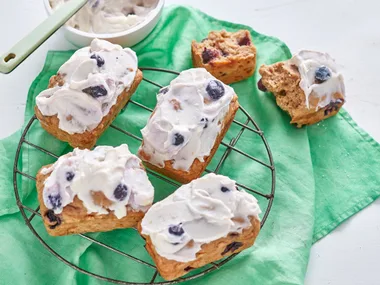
[152, 15]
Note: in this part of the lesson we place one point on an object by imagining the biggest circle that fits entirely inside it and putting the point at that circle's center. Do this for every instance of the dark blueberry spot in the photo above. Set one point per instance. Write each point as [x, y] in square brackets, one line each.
[244, 41]
[208, 55]
[164, 90]
[333, 106]
[70, 175]
[55, 201]
[121, 192]
[95, 91]
[53, 219]
[99, 60]
[178, 139]
[225, 189]
[204, 121]
[176, 230]
[188, 268]
[232, 247]
[215, 89]
[261, 86]
[233, 235]
[224, 53]
[96, 4]
[322, 74]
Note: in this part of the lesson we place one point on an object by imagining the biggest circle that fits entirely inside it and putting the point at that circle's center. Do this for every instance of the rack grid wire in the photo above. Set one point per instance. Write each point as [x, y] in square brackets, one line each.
[230, 147]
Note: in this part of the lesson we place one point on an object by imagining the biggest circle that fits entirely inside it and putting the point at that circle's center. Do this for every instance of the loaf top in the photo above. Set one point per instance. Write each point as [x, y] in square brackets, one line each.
[88, 85]
[187, 119]
[200, 212]
[115, 172]
[320, 77]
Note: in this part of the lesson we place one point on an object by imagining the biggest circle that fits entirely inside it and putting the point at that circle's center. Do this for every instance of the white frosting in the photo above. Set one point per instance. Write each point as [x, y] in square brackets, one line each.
[113, 71]
[203, 211]
[308, 62]
[185, 109]
[116, 172]
[109, 16]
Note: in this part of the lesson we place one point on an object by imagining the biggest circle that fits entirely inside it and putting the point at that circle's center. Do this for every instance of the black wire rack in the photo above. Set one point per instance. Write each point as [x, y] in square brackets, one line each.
[230, 147]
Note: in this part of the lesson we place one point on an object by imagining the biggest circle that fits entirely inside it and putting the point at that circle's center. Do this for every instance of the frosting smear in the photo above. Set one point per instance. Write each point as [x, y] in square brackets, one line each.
[187, 119]
[115, 172]
[320, 77]
[200, 212]
[92, 78]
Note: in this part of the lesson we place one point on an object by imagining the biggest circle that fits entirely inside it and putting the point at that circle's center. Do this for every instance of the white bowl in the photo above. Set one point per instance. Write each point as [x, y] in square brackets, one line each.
[126, 38]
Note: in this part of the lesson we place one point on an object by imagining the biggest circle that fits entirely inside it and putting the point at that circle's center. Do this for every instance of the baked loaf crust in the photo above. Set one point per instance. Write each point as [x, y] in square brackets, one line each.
[87, 139]
[75, 218]
[220, 248]
[283, 80]
[198, 167]
[230, 57]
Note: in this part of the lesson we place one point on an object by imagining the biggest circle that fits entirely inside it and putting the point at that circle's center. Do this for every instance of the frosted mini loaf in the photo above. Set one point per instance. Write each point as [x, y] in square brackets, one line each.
[200, 222]
[104, 182]
[88, 92]
[190, 119]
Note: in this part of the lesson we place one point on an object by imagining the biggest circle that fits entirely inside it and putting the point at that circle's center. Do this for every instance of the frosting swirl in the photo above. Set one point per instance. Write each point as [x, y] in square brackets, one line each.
[187, 119]
[115, 172]
[200, 212]
[109, 16]
[320, 77]
[93, 78]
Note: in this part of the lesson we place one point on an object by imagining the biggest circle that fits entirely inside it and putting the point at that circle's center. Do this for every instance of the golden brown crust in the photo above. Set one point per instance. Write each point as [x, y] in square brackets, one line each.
[75, 219]
[198, 167]
[171, 269]
[282, 79]
[234, 62]
[87, 139]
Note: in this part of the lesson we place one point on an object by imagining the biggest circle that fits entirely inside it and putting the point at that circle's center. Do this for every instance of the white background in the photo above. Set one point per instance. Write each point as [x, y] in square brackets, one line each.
[347, 29]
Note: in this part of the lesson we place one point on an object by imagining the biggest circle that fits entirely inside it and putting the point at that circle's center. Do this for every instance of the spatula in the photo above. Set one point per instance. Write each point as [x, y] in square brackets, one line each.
[20, 51]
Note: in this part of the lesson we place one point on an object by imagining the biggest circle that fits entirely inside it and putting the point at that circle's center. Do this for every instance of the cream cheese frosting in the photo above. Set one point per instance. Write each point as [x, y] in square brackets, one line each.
[320, 76]
[93, 78]
[109, 16]
[115, 172]
[187, 119]
[197, 213]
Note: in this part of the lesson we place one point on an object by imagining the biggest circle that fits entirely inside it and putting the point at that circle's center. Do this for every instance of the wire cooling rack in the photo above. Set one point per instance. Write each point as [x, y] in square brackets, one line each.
[248, 125]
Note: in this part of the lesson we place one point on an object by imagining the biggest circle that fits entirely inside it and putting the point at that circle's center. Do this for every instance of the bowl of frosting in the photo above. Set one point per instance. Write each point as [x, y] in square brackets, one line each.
[123, 22]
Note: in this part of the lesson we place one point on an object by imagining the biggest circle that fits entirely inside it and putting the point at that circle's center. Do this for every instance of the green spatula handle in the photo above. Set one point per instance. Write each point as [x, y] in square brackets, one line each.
[10, 60]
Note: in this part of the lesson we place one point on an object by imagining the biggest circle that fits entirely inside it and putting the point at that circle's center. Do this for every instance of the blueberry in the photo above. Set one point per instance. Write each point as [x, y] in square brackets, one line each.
[261, 86]
[164, 90]
[188, 268]
[70, 175]
[244, 41]
[225, 189]
[204, 121]
[178, 139]
[232, 247]
[99, 60]
[208, 55]
[95, 91]
[333, 106]
[176, 230]
[55, 201]
[322, 74]
[215, 89]
[53, 218]
[121, 192]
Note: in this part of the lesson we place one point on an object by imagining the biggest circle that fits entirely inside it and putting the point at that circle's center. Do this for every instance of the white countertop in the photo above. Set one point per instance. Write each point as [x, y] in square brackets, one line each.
[347, 29]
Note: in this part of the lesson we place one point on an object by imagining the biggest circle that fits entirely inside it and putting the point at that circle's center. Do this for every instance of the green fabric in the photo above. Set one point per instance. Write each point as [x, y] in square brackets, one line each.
[325, 174]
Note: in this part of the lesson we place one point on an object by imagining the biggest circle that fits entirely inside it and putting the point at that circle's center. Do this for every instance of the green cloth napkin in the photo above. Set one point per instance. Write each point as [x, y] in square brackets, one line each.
[325, 174]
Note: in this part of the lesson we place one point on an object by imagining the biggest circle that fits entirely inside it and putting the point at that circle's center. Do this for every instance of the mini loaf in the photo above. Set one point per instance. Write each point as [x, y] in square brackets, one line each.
[191, 117]
[309, 86]
[230, 57]
[199, 223]
[88, 92]
[91, 191]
